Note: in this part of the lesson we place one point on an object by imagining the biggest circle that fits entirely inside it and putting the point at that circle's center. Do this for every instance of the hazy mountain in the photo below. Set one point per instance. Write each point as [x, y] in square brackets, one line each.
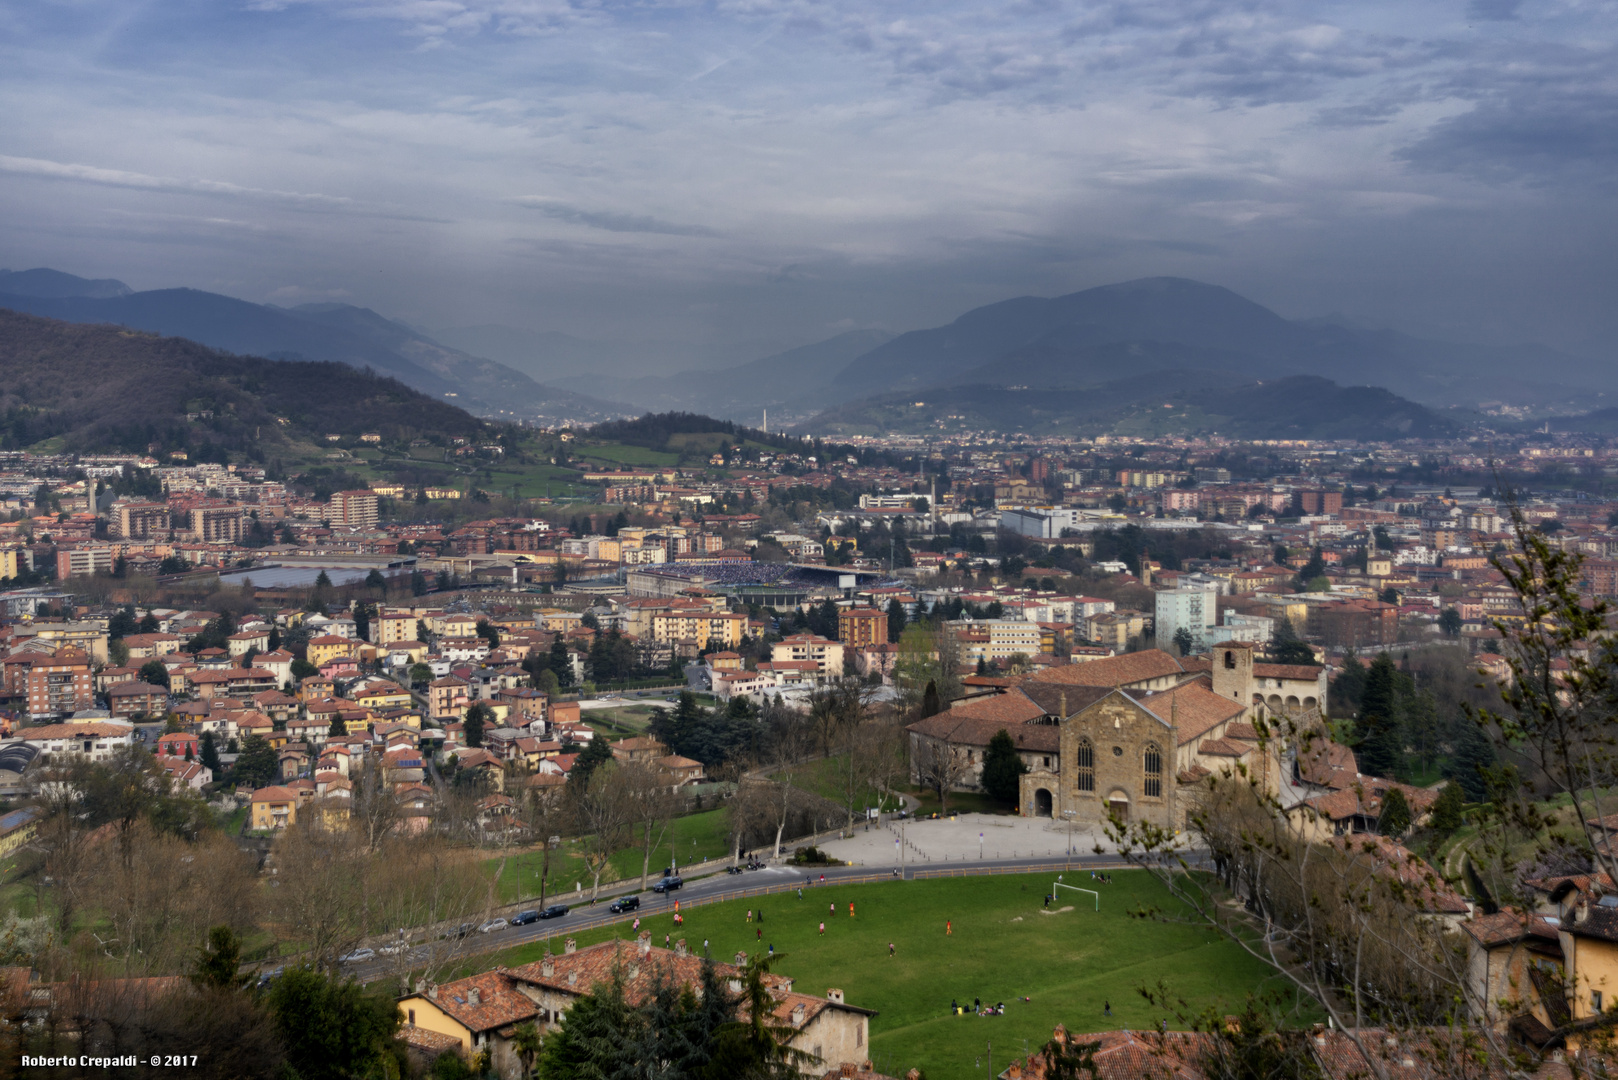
[583, 364]
[324, 332]
[1186, 401]
[103, 387]
[1075, 339]
[796, 378]
[43, 282]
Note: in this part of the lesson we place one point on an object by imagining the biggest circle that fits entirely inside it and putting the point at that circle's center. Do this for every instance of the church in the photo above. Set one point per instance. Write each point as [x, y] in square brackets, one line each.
[1120, 737]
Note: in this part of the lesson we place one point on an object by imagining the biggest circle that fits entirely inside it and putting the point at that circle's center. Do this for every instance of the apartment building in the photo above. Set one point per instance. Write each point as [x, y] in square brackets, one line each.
[725, 629]
[216, 524]
[60, 685]
[140, 520]
[356, 509]
[826, 655]
[862, 626]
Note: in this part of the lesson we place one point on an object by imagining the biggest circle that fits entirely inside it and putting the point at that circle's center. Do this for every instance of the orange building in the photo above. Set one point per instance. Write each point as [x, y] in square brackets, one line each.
[862, 626]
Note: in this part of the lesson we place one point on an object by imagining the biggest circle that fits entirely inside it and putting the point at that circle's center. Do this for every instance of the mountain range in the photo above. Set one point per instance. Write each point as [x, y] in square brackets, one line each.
[99, 387]
[340, 333]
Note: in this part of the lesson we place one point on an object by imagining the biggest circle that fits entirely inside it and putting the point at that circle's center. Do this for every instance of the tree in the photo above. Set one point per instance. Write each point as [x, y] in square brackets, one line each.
[478, 716]
[375, 580]
[1286, 647]
[930, 704]
[597, 1037]
[338, 728]
[257, 764]
[940, 766]
[1446, 814]
[1002, 768]
[332, 1029]
[1380, 753]
[303, 669]
[1183, 641]
[897, 618]
[561, 662]
[219, 961]
[1394, 819]
[596, 752]
[758, 1046]
[154, 672]
[602, 815]
[210, 754]
[322, 580]
[654, 804]
[1449, 621]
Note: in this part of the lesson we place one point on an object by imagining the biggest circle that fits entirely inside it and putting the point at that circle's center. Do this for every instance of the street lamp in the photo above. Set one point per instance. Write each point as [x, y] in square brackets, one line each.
[1069, 814]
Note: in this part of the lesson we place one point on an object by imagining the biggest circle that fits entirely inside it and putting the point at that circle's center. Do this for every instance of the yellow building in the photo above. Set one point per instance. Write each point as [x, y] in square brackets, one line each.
[725, 629]
[14, 561]
[274, 808]
[18, 828]
[329, 647]
[379, 695]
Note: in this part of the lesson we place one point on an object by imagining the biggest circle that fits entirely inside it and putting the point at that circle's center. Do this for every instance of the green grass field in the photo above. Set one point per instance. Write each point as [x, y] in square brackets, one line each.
[1003, 948]
[618, 454]
[703, 835]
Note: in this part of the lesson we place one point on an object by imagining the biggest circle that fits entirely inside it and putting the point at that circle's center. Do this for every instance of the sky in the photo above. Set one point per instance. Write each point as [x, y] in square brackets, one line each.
[766, 173]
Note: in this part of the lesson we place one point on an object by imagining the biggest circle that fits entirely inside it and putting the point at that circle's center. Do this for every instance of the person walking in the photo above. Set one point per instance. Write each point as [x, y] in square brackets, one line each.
[759, 931]
[637, 922]
[1106, 1008]
[949, 928]
[851, 909]
[772, 948]
[704, 946]
[831, 908]
[890, 950]
[749, 914]
[822, 929]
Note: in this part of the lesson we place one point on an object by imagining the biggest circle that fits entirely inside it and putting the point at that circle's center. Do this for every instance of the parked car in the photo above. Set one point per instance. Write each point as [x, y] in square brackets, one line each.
[359, 956]
[461, 931]
[267, 977]
[623, 904]
[555, 911]
[394, 949]
[669, 884]
[523, 918]
[491, 926]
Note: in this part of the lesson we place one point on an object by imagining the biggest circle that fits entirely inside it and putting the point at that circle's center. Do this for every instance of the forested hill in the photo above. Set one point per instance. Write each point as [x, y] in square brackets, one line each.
[94, 387]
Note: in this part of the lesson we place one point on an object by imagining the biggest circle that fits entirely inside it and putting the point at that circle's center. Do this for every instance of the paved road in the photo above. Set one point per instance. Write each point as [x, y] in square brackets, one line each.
[721, 887]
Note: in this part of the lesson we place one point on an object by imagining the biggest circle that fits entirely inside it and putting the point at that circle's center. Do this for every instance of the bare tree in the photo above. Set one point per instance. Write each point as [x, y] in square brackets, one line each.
[940, 766]
[424, 887]
[789, 743]
[653, 805]
[602, 816]
[375, 811]
[319, 892]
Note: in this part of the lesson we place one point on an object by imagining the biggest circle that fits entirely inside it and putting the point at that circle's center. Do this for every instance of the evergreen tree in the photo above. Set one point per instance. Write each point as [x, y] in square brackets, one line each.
[1349, 686]
[561, 663]
[219, 961]
[210, 753]
[1287, 648]
[155, 673]
[1394, 820]
[1378, 726]
[896, 619]
[1447, 809]
[332, 1029]
[338, 728]
[931, 705]
[1002, 768]
[257, 764]
[598, 1038]
[1183, 641]
[758, 1047]
[1473, 753]
[596, 752]
[478, 716]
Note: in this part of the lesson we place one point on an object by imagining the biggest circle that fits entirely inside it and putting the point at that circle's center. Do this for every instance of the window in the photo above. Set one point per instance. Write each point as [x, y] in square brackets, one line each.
[1595, 1001]
[1047, 760]
[1230, 661]
[1084, 767]
[859, 1035]
[1154, 772]
[412, 1017]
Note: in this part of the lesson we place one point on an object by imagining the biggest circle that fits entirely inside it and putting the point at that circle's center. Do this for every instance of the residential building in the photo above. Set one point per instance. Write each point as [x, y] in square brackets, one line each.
[859, 627]
[356, 509]
[723, 629]
[1193, 609]
[826, 655]
[216, 524]
[273, 808]
[59, 685]
[140, 520]
[96, 741]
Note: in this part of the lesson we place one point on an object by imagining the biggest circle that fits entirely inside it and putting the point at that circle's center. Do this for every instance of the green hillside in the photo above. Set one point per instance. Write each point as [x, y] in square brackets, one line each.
[86, 387]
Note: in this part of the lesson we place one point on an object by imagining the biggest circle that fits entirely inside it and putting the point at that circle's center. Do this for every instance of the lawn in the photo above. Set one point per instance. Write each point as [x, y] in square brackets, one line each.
[703, 835]
[824, 778]
[1004, 948]
[619, 454]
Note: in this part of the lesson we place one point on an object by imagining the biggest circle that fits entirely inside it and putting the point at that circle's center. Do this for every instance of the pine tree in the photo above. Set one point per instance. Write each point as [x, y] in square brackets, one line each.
[1473, 753]
[896, 619]
[1002, 768]
[1447, 809]
[1378, 725]
[931, 705]
[338, 728]
[1394, 820]
[476, 719]
[210, 753]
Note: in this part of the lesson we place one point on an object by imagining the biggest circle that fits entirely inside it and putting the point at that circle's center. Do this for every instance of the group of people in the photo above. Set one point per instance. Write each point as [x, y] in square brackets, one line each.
[978, 1008]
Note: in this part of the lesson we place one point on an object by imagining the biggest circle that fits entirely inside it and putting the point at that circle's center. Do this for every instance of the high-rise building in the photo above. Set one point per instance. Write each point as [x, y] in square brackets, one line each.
[860, 627]
[354, 508]
[1193, 609]
[216, 524]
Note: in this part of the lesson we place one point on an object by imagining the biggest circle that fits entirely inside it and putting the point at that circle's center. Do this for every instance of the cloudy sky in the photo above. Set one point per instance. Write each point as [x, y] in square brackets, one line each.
[773, 171]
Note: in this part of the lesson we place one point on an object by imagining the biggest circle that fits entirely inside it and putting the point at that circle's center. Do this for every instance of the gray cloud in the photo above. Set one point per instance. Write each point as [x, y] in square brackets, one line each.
[611, 221]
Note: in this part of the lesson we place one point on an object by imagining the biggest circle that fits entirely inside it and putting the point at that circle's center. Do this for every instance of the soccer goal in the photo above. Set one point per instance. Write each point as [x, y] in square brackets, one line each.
[1062, 885]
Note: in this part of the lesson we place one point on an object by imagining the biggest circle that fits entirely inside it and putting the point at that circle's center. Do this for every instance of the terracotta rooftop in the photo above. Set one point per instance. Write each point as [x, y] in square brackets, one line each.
[1122, 670]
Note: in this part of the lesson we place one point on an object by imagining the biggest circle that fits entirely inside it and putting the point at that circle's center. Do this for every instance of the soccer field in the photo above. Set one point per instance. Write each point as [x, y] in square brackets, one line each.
[1003, 948]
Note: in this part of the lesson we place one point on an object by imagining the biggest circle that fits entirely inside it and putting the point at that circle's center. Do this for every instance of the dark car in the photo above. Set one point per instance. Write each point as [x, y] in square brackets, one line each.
[523, 918]
[461, 931]
[623, 904]
[669, 884]
[555, 911]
